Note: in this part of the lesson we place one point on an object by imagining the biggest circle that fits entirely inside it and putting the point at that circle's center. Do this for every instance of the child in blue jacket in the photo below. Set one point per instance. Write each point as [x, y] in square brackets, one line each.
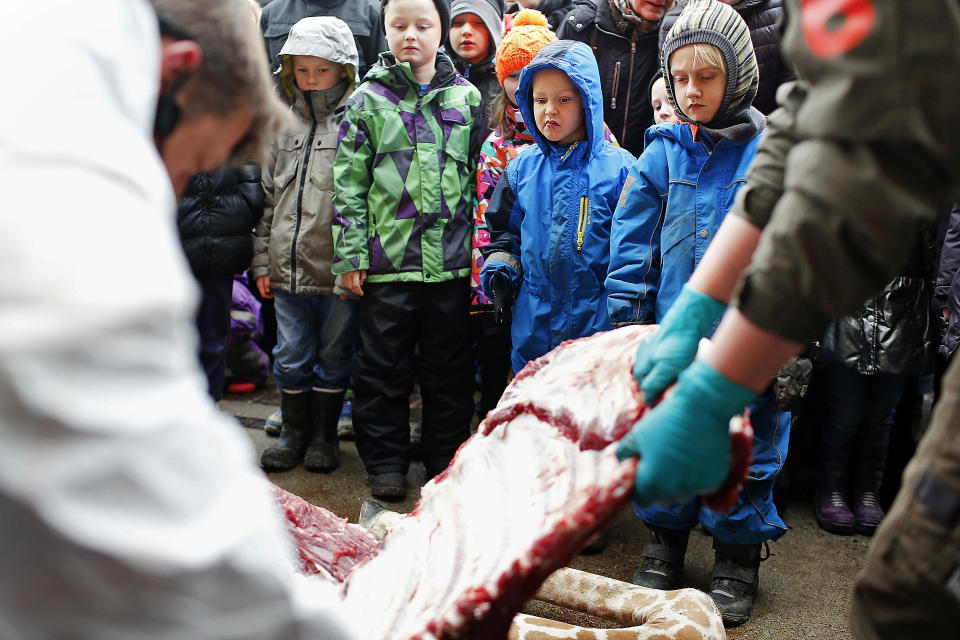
[550, 214]
[675, 197]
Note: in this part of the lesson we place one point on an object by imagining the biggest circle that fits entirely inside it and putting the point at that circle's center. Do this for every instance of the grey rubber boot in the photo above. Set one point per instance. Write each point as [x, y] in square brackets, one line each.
[662, 559]
[323, 452]
[734, 580]
[294, 435]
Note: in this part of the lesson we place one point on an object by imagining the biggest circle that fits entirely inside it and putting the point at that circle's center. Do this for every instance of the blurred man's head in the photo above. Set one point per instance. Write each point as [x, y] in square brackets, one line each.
[217, 102]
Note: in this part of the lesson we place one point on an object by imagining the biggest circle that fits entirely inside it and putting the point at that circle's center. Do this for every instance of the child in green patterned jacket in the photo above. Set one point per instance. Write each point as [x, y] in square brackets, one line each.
[403, 211]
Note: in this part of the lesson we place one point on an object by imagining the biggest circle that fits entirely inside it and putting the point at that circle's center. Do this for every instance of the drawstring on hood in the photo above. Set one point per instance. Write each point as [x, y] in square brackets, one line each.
[713, 22]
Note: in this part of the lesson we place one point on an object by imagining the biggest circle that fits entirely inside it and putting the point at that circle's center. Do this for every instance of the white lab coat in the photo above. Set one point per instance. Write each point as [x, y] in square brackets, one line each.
[129, 507]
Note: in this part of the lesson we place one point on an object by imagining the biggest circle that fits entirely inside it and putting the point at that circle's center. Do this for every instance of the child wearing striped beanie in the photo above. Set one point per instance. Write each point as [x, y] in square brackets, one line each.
[711, 70]
[674, 200]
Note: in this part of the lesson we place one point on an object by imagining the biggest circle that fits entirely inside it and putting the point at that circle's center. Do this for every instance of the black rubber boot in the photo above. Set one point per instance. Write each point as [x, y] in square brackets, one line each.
[662, 559]
[867, 512]
[294, 435]
[734, 580]
[323, 452]
[830, 502]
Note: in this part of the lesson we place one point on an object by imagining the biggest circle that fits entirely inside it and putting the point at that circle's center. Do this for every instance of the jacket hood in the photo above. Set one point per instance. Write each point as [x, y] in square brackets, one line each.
[321, 37]
[718, 24]
[577, 61]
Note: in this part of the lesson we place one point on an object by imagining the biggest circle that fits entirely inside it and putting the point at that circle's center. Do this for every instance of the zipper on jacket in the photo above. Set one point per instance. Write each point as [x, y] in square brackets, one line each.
[626, 108]
[307, 146]
[582, 221]
[616, 85]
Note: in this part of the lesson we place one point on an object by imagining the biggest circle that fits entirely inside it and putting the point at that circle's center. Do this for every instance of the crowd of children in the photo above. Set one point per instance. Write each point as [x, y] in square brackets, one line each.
[462, 208]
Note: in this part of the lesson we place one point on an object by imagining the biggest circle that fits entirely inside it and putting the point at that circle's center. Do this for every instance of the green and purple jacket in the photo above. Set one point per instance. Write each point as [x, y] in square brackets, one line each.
[405, 175]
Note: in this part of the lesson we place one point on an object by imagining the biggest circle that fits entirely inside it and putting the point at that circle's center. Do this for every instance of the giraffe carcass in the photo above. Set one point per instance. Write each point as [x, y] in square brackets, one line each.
[519, 500]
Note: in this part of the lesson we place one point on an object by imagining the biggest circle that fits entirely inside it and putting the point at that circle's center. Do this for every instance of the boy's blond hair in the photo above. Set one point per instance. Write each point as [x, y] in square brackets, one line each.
[234, 72]
[708, 55]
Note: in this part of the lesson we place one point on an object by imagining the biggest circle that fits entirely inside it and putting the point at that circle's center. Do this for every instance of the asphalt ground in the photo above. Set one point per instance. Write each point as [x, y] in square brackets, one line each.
[805, 584]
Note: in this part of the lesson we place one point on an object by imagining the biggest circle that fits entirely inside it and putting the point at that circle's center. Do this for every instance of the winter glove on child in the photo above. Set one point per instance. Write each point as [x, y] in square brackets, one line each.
[502, 290]
[683, 443]
[671, 349]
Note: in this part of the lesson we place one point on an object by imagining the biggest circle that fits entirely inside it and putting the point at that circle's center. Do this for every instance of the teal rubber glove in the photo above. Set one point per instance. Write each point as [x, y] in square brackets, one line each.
[683, 443]
[672, 348]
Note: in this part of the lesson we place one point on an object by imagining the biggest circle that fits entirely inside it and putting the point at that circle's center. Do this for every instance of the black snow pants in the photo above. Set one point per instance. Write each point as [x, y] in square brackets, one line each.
[412, 329]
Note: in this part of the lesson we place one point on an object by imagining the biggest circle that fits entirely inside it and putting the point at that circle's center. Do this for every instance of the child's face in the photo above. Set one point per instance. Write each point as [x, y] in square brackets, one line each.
[469, 37]
[662, 111]
[698, 89]
[529, 4]
[317, 74]
[413, 31]
[558, 107]
[510, 84]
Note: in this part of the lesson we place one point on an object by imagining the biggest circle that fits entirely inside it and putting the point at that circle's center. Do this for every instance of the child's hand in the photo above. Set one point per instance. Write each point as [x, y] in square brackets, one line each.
[263, 286]
[354, 280]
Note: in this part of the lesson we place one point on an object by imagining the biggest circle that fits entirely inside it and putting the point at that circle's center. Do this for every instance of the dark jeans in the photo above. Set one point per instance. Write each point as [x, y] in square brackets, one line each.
[213, 325]
[858, 413]
[407, 330]
[316, 341]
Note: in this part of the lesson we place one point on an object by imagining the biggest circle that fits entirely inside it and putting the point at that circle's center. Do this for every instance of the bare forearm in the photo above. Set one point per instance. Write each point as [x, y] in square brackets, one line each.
[726, 257]
[746, 354]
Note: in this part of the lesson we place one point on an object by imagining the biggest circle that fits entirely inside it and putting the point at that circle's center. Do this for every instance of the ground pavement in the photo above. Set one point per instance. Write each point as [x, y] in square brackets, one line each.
[805, 585]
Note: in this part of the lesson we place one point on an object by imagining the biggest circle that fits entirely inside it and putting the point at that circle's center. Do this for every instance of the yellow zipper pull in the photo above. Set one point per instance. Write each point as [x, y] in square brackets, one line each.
[582, 221]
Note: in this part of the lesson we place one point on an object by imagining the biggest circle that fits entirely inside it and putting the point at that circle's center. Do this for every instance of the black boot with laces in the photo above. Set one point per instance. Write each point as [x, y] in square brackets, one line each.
[662, 559]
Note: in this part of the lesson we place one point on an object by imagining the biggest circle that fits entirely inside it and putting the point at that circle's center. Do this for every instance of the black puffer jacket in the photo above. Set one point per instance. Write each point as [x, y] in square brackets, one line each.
[946, 294]
[762, 17]
[362, 16]
[627, 64]
[483, 76]
[216, 217]
[554, 10]
[893, 332]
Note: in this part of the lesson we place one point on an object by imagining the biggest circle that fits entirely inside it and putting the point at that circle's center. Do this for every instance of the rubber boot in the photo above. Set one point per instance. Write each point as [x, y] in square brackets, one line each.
[294, 435]
[867, 512]
[662, 559]
[830, 502]
[323, 452]
[734, 580]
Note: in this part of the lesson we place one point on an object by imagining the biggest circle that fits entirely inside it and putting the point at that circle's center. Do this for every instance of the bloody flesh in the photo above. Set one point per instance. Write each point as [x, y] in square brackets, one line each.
[519, 500]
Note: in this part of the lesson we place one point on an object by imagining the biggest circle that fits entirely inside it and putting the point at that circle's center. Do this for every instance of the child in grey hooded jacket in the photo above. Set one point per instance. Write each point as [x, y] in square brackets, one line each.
[293, 247]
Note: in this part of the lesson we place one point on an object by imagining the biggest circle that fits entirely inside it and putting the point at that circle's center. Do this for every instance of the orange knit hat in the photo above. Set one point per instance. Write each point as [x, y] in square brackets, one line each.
[528, 35]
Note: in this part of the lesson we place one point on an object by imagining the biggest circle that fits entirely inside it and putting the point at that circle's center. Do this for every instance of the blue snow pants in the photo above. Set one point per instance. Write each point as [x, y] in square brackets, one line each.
[754, 517]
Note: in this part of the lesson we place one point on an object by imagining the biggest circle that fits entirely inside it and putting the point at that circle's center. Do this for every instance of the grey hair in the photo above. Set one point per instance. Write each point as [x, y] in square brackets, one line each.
[234, 72]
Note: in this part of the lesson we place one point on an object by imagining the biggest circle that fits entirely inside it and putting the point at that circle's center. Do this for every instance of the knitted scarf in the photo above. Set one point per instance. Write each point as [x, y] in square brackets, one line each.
[626, 18]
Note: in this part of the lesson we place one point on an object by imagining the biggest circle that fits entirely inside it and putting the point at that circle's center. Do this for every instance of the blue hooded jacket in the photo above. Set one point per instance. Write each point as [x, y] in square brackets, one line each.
[550, 216]
[678, 192]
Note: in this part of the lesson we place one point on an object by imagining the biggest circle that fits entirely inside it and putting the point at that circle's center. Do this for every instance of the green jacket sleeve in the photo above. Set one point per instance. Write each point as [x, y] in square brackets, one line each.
[756, 200]
[352, 176]
[848, 218]
[869, 166]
